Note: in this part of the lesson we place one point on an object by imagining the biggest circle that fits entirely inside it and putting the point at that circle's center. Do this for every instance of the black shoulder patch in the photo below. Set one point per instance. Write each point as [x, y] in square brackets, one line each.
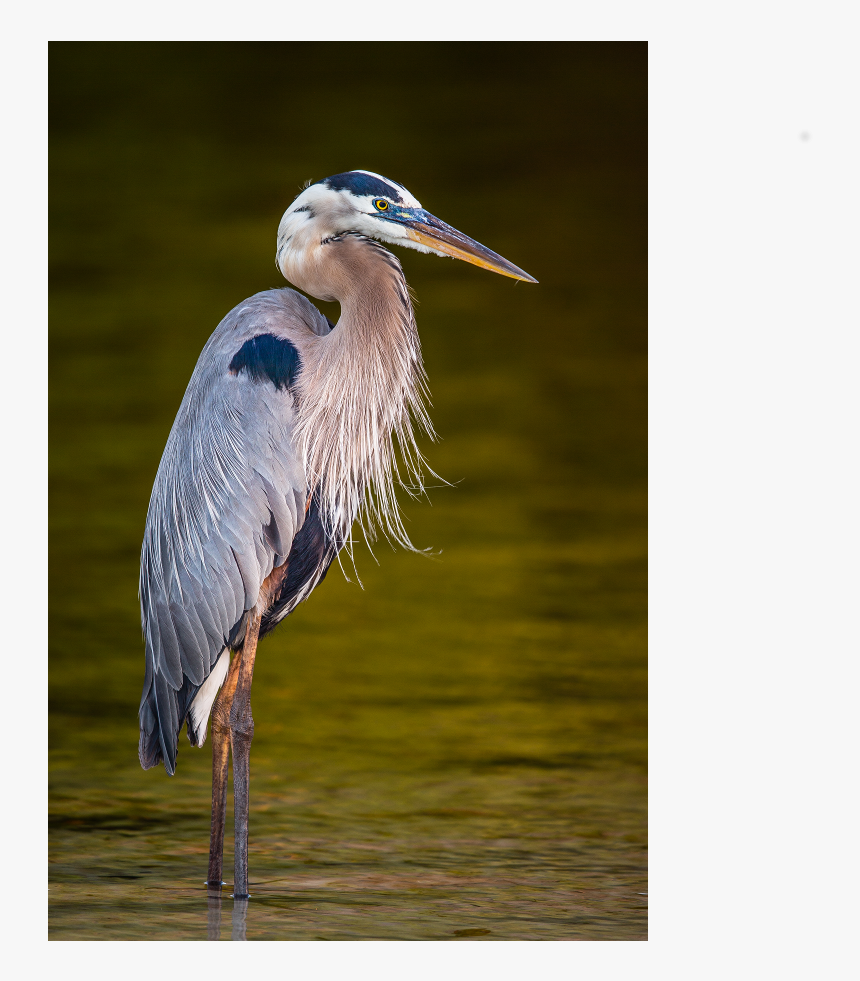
[363, 184]
[268, 358]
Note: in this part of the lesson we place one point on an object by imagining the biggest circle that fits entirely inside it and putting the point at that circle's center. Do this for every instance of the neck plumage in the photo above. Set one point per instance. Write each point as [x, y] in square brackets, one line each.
[361, 387]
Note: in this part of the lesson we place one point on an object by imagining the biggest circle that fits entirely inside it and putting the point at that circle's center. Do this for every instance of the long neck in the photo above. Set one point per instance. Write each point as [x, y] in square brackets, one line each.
[362, 386]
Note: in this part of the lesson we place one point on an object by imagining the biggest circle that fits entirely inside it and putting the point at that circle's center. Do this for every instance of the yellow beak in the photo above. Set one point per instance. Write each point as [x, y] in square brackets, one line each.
[429, 231]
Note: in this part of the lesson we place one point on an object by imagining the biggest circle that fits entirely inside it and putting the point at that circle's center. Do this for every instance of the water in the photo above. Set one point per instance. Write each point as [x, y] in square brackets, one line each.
[456, 751]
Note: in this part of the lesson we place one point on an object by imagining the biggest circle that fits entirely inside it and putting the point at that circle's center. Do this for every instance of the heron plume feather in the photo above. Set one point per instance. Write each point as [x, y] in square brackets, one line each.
[363, 394]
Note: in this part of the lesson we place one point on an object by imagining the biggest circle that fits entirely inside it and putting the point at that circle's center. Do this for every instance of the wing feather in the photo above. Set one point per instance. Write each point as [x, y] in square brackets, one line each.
[228, 587]
[228, 500]
[190, 643]
[168, 657]
[220, 612]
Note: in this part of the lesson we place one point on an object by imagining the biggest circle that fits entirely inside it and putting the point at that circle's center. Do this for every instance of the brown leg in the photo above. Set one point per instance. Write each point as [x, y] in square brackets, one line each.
[220, 765]
[242, 732]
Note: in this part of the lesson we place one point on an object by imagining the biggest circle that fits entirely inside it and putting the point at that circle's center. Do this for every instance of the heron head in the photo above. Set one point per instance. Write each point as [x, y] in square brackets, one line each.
[363, 202]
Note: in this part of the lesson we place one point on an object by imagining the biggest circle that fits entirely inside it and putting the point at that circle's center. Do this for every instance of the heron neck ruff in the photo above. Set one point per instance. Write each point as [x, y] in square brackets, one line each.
[363, 390]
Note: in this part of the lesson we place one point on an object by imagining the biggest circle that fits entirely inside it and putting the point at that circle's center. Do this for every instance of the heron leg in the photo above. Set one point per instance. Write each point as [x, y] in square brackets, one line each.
[242, 732]
[220, 767]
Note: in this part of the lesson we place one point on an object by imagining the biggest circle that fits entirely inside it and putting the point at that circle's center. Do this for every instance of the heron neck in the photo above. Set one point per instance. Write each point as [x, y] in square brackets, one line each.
[375, 337]
[376, 310]
[361, 385]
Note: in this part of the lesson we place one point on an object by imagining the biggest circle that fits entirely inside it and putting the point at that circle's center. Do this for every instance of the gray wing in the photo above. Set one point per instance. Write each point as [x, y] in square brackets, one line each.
[228, 500]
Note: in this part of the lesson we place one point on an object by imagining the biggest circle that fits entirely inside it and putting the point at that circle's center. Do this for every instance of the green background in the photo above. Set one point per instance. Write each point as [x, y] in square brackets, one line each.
[458, 750]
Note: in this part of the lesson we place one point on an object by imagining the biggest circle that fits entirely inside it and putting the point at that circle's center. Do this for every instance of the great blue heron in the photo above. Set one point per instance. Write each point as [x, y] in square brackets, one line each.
[283, 439]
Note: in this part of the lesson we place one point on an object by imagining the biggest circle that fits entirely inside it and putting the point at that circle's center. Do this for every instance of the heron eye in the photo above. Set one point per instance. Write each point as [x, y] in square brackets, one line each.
[381, 205]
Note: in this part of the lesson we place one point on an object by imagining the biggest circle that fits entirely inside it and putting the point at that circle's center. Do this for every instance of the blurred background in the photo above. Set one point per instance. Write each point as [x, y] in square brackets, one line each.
[457, 750]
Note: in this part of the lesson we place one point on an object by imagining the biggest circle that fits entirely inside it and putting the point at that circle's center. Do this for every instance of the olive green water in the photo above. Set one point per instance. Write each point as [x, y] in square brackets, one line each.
[458, 750]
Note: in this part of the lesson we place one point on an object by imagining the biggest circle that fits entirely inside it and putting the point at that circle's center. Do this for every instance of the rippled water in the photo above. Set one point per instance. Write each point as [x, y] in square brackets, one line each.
[458, 750]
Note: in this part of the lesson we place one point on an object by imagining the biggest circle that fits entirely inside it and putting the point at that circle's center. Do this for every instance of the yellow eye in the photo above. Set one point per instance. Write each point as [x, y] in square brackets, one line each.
[381, 205]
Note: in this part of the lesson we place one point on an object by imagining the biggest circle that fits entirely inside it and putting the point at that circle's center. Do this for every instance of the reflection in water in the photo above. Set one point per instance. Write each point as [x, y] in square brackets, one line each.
[213, 919]
[213, 916]
[240, 914]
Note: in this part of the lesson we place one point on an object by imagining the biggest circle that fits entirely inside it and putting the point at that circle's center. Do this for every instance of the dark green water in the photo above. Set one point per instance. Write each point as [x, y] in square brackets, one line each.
[458, 750]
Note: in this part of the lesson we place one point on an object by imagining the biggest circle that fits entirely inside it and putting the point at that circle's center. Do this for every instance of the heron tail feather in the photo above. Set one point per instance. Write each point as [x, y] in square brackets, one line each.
[163, 711]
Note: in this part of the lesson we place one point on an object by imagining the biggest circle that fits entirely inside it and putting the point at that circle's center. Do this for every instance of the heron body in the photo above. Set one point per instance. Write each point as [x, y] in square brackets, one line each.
[287, 435]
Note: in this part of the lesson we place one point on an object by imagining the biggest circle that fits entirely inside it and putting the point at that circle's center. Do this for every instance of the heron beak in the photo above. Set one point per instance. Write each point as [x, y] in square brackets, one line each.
[427, 230]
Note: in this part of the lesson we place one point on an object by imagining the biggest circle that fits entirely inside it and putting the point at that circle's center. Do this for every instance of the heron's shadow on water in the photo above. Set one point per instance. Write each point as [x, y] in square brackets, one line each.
[213, 917]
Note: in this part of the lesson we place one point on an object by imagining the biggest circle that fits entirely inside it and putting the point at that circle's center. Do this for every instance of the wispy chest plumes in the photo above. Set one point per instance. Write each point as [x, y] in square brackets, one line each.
[363, 389]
